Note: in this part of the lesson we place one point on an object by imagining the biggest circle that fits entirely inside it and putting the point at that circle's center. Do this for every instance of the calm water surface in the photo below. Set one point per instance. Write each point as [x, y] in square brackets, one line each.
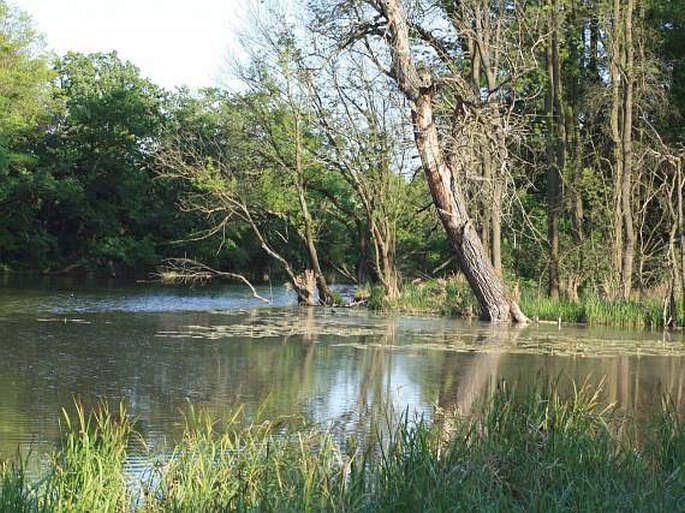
[159, 347]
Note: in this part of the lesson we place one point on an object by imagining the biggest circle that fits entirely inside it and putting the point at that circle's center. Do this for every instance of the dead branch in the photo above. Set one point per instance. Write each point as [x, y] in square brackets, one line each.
[186, 270]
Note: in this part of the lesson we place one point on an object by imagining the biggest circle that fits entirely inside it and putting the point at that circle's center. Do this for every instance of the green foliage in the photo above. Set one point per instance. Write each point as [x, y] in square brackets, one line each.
[24, 76]
[24, 102]
[97, 152]
[422, 247]
[667, 17]
[16, 493]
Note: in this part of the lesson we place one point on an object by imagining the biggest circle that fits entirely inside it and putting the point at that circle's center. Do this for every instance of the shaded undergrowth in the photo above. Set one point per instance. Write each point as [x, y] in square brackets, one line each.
[521, 450]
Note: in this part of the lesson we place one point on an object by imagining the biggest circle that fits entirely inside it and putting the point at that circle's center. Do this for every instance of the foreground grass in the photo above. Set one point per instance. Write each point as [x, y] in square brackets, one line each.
[534, 450]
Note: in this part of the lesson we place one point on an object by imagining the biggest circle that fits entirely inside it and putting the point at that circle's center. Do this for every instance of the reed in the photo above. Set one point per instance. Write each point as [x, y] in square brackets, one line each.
[451, 297]
[632, 314]
[538, 449]
[87, 472]
[16, 493]
[236, 465]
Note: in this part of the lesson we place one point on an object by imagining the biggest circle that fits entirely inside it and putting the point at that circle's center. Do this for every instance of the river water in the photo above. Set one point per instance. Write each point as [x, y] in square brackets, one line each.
[159, 348]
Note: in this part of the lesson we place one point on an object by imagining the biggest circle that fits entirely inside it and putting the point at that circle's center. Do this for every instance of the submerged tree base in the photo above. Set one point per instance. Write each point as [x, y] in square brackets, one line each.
[534, 450]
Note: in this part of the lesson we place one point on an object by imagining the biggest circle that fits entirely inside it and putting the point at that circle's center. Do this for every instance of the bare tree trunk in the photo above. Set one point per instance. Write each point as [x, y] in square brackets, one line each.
[627, 149]
[485, 199]
[572, 157]
[447, 194]
[488, 41]
[325, 294]
[363, 274]
[497, 194]
[616, 137]
[384, 244]
[553, 172]
[681, 231]
[556, 150]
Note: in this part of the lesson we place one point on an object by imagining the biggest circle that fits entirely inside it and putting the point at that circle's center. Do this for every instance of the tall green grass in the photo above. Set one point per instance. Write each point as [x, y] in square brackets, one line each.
[87, 473]
[16, 494]
[451, 297]
[540, 449]
[236, 465]
[633, 314]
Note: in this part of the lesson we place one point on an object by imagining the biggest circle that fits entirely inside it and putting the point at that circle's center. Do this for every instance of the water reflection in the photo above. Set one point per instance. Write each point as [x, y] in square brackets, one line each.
[341, 367]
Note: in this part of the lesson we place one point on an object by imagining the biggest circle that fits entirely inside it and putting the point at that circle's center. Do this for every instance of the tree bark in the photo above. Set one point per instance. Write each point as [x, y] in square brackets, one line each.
[681, 232]
[555, 153]
[447, 193]
[627, 149]
[616, 137]
[325, 294]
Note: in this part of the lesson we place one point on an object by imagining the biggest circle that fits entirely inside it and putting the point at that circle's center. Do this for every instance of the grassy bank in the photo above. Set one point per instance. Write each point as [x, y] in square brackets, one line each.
[521, 451]
[633, 314]
[452, 297]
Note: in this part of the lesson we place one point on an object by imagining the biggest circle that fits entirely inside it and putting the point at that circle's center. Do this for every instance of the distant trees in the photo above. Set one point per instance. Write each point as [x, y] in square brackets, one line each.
[24, 103]
[98, 150]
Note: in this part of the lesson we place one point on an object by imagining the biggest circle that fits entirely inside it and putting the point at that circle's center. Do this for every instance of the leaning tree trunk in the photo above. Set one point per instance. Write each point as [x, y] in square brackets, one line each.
[448, 197]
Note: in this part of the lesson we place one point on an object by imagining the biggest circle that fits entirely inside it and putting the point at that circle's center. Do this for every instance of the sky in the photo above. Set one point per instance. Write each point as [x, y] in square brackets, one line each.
[173, 42]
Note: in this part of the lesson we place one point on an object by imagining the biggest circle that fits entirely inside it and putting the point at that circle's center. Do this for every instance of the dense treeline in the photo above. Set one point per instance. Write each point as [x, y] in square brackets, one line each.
[549, 134]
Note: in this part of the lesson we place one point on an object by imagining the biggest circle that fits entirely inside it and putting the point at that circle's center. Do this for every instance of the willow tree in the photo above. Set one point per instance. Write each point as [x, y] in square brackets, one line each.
[288, 141]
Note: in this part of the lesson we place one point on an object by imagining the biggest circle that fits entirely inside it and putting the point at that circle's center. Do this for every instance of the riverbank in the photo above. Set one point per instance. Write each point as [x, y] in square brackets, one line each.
[452, 297]
[523, 450]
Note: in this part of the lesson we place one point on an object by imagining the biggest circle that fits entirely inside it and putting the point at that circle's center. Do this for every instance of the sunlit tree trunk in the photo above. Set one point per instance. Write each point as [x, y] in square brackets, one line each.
[616, 137]
[627, 157]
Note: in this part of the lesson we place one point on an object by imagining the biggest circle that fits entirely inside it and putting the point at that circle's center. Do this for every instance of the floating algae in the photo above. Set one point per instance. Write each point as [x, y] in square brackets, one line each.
[363, 331]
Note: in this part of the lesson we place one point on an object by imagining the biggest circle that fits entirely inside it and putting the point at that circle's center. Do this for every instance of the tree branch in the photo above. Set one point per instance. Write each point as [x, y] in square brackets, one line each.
[186, 270]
